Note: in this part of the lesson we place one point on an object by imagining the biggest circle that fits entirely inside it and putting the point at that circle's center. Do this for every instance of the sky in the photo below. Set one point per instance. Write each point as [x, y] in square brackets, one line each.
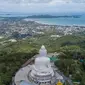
[42, 6]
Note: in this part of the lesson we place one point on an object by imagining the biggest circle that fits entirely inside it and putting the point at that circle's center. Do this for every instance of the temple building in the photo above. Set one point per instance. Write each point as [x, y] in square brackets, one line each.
[40, 73]
[59, 83]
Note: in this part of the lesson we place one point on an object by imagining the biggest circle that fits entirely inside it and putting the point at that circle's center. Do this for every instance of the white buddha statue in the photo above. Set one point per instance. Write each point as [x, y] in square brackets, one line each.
[42, 70]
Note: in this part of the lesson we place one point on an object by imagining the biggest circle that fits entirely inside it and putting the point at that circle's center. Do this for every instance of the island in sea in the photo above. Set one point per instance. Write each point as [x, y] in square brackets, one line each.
[51, 16]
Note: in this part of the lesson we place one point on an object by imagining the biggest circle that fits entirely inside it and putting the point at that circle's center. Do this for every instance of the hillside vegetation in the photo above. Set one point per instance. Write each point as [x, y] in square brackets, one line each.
[14, 54]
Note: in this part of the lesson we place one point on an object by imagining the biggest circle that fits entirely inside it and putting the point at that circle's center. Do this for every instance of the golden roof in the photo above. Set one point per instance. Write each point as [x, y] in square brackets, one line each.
[59, 83]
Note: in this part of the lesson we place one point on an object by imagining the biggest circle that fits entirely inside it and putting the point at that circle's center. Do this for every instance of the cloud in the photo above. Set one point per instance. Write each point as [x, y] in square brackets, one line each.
[78, 1]
[42, 1]
[42, 6]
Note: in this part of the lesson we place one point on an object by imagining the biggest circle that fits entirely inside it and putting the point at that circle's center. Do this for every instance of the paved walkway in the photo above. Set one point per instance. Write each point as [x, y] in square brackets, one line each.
[22, 74]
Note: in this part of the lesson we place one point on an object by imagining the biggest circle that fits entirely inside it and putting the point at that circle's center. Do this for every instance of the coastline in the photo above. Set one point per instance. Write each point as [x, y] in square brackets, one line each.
[51, 24]
[55, 21]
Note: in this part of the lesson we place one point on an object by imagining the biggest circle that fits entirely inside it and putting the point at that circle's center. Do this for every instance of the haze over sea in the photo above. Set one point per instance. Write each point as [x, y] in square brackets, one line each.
[80, 21]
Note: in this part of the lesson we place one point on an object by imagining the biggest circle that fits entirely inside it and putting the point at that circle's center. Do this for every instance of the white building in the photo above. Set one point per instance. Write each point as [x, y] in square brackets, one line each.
[55, 36]
[1, 37]
[12, 40]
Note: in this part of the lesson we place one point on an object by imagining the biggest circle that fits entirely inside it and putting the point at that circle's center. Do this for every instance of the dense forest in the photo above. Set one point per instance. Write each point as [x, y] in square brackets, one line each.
[10, 62]
[71, 60]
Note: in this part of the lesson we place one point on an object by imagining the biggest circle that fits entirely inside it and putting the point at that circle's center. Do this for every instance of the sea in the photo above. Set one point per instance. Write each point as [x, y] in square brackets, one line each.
[61, 21]
[65, 21]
